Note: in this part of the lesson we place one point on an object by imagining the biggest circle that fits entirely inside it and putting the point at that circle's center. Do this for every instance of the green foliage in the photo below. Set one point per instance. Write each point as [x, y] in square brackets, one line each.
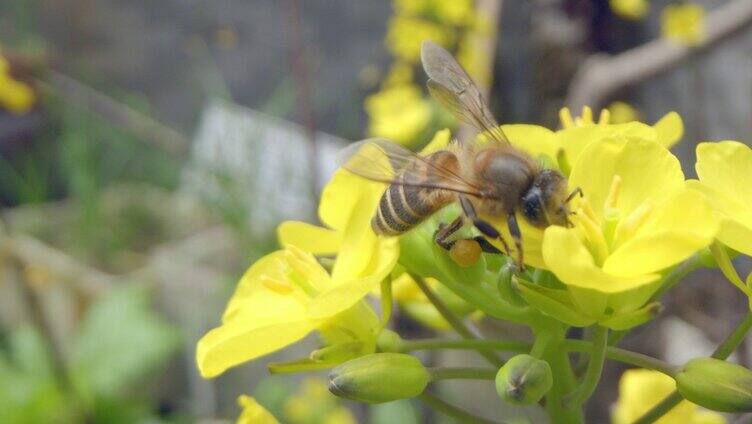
[119, 344]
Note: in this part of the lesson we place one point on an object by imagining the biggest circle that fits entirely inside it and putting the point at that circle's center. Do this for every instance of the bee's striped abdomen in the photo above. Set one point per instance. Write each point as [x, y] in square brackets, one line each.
[403, 206]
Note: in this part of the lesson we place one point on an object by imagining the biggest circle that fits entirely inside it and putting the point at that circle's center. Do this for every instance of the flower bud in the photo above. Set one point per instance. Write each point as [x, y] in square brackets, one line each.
[389, 341]
[379, 377]
[716, 384]
[524, 380]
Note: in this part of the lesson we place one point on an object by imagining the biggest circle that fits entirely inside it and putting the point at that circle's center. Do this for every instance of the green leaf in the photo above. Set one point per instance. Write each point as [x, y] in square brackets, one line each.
[29, 392]
[552, 302]
[121, 341]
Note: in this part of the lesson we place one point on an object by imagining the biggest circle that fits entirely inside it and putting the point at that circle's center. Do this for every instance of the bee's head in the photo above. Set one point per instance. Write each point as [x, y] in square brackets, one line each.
[545, 202]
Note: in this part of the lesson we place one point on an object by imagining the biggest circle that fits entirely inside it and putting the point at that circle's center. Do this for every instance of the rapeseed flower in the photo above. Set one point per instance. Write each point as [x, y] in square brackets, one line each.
[399, 113]
[725, 177]
[406, 33]
[637, 219]
[684, 23]
[283, 297]
[641, 389]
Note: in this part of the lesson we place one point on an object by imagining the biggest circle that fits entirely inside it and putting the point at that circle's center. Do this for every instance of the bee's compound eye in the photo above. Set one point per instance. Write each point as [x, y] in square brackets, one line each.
[465, 253]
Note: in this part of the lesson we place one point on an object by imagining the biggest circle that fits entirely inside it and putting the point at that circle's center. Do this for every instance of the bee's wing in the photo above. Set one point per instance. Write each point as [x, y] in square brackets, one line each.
[381, 160]
[451, 86]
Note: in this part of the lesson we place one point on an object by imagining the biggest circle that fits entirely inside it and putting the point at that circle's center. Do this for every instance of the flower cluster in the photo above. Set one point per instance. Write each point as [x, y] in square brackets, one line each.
[638, 221]
[400, 110]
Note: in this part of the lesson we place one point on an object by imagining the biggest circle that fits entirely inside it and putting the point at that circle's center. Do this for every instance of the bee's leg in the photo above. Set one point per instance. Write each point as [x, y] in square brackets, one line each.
[486, 246]
[574, 192]
[484, 227]
[446, 231]
[514, 230]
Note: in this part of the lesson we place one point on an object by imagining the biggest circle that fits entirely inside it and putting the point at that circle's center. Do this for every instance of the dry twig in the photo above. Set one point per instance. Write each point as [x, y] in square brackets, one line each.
[601, 76]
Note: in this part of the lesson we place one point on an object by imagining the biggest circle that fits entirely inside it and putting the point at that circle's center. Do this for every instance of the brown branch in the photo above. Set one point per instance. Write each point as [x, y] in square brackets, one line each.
[601, 76]
[133, 121]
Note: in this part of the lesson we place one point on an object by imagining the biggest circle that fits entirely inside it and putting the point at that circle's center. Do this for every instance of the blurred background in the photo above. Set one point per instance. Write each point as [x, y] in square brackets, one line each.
[149, 149]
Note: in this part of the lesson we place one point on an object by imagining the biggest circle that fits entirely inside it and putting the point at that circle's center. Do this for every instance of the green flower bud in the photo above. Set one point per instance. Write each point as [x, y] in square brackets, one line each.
[716, 384]
[389, 341]
[504, 285]
[524, 380]
[379, 377]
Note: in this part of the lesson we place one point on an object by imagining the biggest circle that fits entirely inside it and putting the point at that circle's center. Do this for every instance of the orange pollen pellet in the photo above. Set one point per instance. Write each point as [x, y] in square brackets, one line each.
[465, 253]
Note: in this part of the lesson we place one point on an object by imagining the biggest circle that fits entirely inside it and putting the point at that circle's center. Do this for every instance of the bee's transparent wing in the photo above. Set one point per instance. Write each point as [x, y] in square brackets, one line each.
[451, 86]
[381, 160]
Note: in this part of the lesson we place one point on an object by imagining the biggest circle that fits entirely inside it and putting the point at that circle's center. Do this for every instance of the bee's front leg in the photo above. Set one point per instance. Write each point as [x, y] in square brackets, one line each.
[514, 231]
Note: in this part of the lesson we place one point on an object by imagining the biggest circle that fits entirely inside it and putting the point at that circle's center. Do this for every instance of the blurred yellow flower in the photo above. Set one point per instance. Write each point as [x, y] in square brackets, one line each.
[637, 218]
[630, 9]
[684, 23]
[399, 113]
[641, 389]
[400, 74]
[622, 113]
[314, 404]
[405, 35]
[283, 297]
[253, 412]
[725, 172]
[455, 12]
[15, 96]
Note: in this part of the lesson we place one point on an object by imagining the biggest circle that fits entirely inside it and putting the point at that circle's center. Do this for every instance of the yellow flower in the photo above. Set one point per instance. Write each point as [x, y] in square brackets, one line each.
[405, 35]
[577, 133]
[637, 219]
[621, 113]
[640, 390]
[399, 113]
[684, 23]
[282, 298]
[630, 9]
[313, 403]
[15, 96]
[253, 412]
[455, 12]
[400, 74]
[725, 172]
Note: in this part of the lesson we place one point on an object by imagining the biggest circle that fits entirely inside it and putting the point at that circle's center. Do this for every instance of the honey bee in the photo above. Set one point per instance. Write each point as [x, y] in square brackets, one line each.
[492, 179]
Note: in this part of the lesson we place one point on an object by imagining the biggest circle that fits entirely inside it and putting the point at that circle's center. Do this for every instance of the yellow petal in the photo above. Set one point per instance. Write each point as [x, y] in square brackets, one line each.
[647, 170]
[572, 263]
[674, 231]
[248, 337]
[669, 129]
[253, 412]
[342, 297]
[533, 139]
[726, 166]
[308, 237]
[276, 267]
[339, 197]
[440, 141]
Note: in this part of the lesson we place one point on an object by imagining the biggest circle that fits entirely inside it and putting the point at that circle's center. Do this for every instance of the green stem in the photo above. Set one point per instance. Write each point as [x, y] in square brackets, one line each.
[727, 268]
[564, 382]
[462, 373]
[386, 302]
[455, 322]
[624, 356]
[570, 345]
[542, 340]
[593, 373]
[723, 351]
[470, 344]
[677, 274]
[452, 411]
